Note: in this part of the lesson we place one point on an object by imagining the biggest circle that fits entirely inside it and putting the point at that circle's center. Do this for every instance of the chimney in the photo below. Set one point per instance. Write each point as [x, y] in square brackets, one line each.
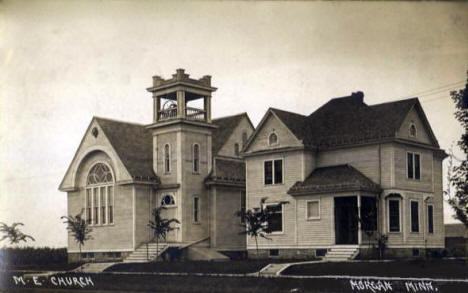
[358, 97]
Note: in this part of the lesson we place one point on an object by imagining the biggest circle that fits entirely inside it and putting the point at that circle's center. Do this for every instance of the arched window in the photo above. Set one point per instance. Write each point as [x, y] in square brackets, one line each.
[168, 200]
[167, 158]
[412, 130]
[196, 158]
[244, 138]
[99, 203]
[236, 149]
[273, 139]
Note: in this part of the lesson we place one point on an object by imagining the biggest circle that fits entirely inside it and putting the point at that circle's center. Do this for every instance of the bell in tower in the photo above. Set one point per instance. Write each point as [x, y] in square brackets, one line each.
[172, 98]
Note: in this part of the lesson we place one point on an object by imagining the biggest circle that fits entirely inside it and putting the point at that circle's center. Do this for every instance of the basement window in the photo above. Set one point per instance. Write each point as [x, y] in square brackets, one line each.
[274, 252]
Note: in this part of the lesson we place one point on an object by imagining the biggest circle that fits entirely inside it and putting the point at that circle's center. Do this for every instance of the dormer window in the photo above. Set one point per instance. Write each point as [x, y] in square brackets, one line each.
[273, 139]
[412, 130]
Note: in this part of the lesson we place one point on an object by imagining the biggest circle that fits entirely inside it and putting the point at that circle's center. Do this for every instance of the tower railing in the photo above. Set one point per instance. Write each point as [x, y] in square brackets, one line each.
[190, 114]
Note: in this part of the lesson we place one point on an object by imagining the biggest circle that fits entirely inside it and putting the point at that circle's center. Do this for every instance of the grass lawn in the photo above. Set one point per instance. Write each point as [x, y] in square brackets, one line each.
[412, 268]
[221, 267]
[43, 267]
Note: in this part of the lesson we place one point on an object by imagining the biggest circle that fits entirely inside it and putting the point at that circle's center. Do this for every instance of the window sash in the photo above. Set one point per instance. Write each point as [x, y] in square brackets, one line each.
[196, 158]
[242, 205]
[410, 169]
[276, 220]
[414, 216]
[273, 172]
[394, 215]
[313, 209]
[413, 166]
[430, 219]
[99, 203]
[167, 158]
[196, 209]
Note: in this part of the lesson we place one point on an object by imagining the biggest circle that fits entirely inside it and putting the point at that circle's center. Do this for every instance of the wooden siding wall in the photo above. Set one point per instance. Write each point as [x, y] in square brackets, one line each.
[226, 232]
[285, 137]
[318, 232]
[142, 214]
[236, 137]
[422, 134]
[162, 140]
[401, 180]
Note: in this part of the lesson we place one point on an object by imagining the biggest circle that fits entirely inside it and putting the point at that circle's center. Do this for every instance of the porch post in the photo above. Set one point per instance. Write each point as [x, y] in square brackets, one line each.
[359, 219]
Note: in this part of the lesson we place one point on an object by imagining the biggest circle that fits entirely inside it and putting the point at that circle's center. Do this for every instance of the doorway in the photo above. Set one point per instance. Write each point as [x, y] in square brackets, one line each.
[346, 220]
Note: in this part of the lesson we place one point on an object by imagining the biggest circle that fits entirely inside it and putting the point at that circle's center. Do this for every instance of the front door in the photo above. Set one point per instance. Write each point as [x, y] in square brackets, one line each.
[346, 220]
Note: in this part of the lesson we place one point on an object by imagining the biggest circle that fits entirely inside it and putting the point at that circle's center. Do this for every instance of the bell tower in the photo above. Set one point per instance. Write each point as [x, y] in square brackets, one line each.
[182, 151]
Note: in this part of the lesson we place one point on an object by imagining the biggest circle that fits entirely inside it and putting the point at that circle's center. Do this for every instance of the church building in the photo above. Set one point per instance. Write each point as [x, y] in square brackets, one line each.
[349, 172]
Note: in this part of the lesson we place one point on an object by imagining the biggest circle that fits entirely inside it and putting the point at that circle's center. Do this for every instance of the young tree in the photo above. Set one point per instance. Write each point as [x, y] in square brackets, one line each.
[78, 229]
[13, 233]
[161, 226]
[256, 220]
[459, 173]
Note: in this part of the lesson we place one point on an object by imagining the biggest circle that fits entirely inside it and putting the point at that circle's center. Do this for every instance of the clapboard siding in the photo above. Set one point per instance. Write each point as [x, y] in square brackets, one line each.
[273, 124]
[364, 158]
[401, 180]
[422, 134]
[292, 170]
[315, 232]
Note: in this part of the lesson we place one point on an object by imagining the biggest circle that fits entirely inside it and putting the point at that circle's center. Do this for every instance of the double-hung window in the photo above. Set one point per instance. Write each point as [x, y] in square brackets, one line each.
[273, 172]
[414, 216]
[430, 219]
[394, 215]
[275, 221]
[413, 166]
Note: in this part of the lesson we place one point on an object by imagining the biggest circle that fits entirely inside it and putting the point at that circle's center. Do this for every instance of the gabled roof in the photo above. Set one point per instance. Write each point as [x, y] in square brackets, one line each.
[348, 120]
[227, 172]
[226, 126]
[334, 179]
[133, 144]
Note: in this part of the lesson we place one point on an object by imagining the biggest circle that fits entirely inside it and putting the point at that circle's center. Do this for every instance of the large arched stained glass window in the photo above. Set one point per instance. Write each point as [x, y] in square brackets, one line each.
[99, 203]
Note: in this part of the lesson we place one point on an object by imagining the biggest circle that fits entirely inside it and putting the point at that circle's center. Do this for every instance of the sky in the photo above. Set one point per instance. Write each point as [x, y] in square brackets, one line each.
[63, 62]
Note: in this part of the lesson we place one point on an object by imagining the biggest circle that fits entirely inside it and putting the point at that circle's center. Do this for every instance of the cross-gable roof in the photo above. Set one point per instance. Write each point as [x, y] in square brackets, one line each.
[226, 126]
[133, 144]
[348, 120]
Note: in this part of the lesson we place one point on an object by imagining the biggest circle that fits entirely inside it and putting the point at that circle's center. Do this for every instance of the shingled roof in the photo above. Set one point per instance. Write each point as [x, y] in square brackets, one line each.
[334, 179]
[227, 172]
[226, 126]
[348, 120]
[133, 144]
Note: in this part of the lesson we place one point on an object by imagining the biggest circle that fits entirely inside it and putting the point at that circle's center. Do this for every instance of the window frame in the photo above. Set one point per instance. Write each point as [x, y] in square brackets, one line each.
[163, 195]
[282, 217]
[273, 181]
[413, 154]
[269, 139]
[411, 216]
[245, 138]
[243, 195]
[236, 149]
[412, 124]
[198, 220]
[196, 170]
[428, 222]
[309, 218]
[399, 200]
[167, 156]
[94, 190]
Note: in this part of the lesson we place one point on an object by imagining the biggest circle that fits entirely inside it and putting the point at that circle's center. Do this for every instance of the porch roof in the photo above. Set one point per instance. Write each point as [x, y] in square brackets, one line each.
[334, 179]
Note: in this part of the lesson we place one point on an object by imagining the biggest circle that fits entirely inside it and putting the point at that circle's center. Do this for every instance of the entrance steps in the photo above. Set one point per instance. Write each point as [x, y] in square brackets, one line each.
[342, 253]
[144, 254]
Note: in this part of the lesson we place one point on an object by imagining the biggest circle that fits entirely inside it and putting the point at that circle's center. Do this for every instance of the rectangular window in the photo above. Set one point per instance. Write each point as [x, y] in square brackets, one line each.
[196, 209]
[368, 213]
[88, 206]
[102, 193]
[413, 166]
[110, 204]
[268, 170]
[278, 171]
[394, 215]
[273, 172]
[414, 216]
[96, 205]
[275, 223]
[430, 219]
[242, 205]
[313, 209]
